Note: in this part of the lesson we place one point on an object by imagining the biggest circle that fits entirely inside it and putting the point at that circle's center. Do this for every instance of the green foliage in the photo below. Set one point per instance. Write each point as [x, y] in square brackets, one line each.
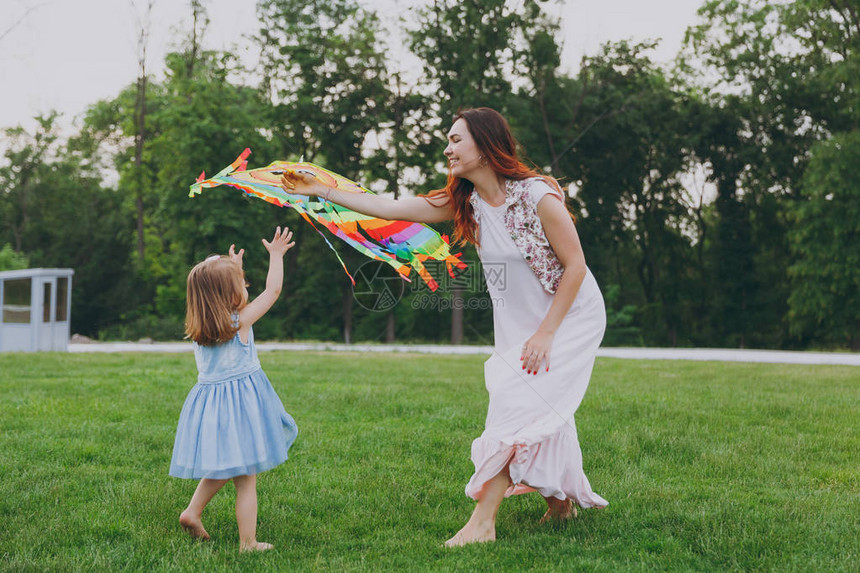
[10, 260]
[21, 178]
[57, 213]
[620, 327]
[197, 119]
[825, 239]
[466, 48]
[375, 479]
[326, 74]
[621, 134]
[324, 71]
[143, 324]
[205, 122]
[784, 77]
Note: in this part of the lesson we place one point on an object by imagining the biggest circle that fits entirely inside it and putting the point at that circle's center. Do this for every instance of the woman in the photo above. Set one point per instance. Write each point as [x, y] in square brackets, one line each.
[548, 315]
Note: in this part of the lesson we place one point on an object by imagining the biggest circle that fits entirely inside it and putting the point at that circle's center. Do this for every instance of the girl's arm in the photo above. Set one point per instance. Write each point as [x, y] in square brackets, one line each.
[413, 209]
[562, 236]
[253, 311]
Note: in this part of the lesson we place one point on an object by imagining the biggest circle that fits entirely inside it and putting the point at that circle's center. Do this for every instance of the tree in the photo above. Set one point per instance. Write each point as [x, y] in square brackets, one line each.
[825, 241]
[20, 179]
[325, 72]
[204, 122]
[140, 134]
[620, 133]
[467, 48]
[57, 213]
[792, 67]
[789, 74]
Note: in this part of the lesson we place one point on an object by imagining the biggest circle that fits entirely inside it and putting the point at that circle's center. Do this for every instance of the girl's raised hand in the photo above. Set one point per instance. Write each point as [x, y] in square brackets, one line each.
[234, 256]
[280, 243]
[302, 183]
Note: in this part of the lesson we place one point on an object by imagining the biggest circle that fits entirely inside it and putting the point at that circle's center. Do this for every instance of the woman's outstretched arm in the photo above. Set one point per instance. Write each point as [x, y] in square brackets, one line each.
[414, 209]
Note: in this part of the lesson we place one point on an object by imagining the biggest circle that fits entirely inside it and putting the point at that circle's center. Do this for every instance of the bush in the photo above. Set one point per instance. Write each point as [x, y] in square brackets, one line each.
[11, 260]
[146, 326]
[620, 330]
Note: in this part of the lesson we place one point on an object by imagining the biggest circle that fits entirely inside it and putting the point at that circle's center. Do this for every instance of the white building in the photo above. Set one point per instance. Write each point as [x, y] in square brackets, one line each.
[35, 307]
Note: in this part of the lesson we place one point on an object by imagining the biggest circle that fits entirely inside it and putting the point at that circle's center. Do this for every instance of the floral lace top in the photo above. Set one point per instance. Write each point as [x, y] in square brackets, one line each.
[523, 224]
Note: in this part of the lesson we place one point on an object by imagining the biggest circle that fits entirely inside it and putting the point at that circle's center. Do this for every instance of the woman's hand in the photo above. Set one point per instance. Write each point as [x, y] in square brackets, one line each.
[280, 243]
[234, 256]
[536, 350]
[302, 183]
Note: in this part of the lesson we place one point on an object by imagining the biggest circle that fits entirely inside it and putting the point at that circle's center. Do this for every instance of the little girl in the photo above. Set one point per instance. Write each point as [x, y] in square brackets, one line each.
[232, 425]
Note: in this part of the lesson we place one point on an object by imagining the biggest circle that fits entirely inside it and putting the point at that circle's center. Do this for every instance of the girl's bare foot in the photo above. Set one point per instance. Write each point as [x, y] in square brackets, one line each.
[559, 510]
[193, 525]
[472, 534]
[255, 546]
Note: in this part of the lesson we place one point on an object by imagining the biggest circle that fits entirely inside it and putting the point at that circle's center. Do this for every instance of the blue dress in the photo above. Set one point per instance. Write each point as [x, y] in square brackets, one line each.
[232, 422]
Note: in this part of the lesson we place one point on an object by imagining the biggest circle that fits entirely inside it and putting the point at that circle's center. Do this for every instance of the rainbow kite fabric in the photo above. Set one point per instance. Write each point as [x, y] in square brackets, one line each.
[401, 244]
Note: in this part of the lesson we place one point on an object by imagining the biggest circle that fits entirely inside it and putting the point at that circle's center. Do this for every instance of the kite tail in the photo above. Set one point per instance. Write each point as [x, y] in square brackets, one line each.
[345, 229]
[424, 274]
[305, 216]
[453, 261]
[239, 164]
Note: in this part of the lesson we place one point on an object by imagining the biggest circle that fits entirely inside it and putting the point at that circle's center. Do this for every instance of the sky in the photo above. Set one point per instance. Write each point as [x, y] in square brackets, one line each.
[67, 54]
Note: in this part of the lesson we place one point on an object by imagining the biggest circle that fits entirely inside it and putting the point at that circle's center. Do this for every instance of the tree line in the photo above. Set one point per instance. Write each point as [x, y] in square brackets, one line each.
[717, 198]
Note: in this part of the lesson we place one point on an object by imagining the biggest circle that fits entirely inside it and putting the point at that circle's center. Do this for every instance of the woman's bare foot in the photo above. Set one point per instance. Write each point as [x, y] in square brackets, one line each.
[559, 510]
[472, 534]
[255, 546]
[193, 525]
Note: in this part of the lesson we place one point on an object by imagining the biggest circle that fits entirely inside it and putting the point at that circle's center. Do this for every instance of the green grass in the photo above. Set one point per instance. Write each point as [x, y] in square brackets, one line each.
[707, 467]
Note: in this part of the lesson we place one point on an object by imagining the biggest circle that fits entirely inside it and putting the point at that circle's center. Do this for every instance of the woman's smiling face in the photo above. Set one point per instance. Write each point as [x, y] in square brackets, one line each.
[462, 151]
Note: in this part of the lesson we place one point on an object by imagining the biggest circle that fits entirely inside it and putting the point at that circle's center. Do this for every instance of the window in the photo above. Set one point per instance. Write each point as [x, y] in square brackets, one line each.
[62, 299]
[46, 307]
[16, 301]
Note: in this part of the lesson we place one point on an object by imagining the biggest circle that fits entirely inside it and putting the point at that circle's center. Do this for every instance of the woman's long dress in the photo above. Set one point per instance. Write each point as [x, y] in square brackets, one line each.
[530, 420]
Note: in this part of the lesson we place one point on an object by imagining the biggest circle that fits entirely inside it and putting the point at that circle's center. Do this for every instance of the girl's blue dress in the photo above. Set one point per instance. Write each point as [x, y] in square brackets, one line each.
[232, 422]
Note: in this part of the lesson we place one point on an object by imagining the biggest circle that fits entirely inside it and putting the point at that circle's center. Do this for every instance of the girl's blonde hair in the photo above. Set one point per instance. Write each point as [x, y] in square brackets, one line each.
[215, 291]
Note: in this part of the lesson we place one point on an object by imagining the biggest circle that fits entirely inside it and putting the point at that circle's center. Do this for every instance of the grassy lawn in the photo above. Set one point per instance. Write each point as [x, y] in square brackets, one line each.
[707, 467]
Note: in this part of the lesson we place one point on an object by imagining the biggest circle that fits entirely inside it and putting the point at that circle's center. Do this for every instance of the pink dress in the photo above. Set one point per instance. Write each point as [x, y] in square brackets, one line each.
[530, 419]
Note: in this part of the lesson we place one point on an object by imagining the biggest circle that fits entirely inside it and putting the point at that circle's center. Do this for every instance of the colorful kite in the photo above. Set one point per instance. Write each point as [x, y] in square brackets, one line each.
[401, 244]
